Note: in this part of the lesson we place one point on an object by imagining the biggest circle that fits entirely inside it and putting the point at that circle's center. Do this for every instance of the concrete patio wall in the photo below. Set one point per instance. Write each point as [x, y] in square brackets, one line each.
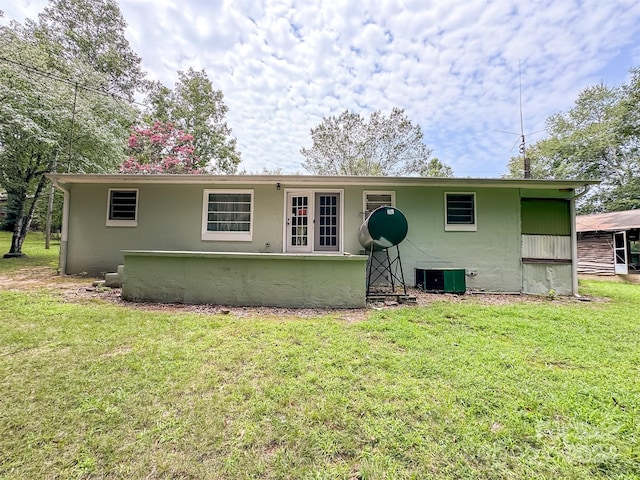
[245, 279]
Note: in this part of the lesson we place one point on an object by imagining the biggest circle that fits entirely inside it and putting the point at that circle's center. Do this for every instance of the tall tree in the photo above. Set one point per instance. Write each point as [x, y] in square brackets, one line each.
[45, 119]
[598, 138]
[91, 33]
[382, 145]
[197, 108]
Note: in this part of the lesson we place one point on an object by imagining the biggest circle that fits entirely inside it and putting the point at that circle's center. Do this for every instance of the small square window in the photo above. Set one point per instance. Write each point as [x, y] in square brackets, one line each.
[460, 212]
[122, 207]
[375, 200]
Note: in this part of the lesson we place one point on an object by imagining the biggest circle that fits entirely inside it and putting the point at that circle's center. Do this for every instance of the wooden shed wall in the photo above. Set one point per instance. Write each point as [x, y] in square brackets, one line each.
[595, 253]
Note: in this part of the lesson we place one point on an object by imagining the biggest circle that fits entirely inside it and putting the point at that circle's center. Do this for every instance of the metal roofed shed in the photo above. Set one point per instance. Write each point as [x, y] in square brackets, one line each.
[609, 243]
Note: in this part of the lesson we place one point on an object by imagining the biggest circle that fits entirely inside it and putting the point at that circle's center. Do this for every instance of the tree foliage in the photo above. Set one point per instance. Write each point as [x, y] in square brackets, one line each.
[197, 108]
[91, 33]
[26, 138]
[160, 148]
[382, 145]
[46, 120]
[435, 168]
[598, 138]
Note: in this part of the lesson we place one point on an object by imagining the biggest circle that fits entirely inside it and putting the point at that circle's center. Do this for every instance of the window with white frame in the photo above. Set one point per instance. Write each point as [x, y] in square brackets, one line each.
[227, 215]
[460, 211]
[374, 200]
[122, 207]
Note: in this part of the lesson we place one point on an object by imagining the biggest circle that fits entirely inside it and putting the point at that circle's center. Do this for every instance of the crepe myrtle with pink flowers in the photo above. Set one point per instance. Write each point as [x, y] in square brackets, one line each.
[161, 148]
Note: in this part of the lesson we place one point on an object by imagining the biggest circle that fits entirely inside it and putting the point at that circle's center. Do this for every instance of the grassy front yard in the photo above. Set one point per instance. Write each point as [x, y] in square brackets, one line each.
[90, 389]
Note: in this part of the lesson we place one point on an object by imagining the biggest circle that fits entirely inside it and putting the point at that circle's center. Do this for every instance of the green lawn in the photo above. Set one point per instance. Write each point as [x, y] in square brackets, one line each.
[33, 248]
[466, 390]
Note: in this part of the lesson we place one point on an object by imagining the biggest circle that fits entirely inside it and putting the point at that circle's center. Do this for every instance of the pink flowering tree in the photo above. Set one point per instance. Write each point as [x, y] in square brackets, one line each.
[161, 148]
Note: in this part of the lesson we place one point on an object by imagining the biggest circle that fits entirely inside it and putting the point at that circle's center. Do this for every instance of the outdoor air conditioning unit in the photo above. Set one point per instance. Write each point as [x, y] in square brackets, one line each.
[441, 280]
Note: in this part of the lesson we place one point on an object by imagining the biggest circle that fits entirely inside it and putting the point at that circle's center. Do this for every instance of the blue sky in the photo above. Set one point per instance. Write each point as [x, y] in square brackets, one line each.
[452, 65]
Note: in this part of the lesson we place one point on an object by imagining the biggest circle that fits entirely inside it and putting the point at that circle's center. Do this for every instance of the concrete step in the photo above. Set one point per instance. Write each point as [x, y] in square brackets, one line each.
[112, 280]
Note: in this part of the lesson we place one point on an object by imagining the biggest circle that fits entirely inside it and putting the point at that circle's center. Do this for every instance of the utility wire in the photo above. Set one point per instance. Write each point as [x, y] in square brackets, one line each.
[76, 85]
[69, 81]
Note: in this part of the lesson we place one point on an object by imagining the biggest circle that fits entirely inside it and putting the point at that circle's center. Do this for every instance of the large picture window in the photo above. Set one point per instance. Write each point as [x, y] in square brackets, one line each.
[460, 211]
[227, 215]
[122, 207]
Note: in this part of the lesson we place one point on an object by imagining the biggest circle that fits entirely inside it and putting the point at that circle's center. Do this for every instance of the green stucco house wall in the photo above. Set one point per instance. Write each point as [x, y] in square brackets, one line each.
[508, 235]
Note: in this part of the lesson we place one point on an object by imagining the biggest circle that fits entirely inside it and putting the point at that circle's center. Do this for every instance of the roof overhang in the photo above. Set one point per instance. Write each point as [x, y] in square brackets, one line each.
[316, 180]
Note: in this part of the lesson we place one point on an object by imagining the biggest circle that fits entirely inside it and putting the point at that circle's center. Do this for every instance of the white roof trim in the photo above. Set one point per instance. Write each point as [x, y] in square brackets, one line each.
[303, 180]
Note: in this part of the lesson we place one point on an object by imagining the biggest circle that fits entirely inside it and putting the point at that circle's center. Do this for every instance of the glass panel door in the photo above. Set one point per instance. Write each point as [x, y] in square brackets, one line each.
[298, 222]
[327, 222]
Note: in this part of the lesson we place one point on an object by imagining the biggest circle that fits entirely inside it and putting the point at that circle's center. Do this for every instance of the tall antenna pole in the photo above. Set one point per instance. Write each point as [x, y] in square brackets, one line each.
[523, 145]
[73, 121]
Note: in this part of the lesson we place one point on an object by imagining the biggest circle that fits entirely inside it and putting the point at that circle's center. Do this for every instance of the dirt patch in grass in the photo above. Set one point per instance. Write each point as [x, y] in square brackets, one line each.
[32, 278]
[81, 289]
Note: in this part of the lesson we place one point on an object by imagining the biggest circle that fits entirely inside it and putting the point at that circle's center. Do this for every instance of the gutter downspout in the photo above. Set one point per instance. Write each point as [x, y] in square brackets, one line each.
[574, 241]
[62, 261]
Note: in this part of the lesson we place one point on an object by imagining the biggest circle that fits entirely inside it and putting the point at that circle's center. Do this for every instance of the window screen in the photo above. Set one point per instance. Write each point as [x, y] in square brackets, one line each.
[229, 212]
[461, 209]
[123, 207]
[374, 200]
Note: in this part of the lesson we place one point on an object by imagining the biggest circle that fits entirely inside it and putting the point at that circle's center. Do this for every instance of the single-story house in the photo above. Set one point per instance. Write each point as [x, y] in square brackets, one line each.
[609, 243]
[293, 239]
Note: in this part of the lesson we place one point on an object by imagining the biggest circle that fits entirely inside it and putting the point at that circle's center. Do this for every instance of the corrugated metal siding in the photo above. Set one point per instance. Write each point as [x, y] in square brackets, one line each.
[551, 247]
[545, 216]
[541, 279]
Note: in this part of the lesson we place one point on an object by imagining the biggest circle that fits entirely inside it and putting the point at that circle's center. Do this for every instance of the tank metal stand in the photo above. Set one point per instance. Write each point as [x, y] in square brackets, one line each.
[385, 277]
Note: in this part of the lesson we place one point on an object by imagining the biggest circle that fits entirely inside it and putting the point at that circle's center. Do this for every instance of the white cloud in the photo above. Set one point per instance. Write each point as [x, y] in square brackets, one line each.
[285, 64]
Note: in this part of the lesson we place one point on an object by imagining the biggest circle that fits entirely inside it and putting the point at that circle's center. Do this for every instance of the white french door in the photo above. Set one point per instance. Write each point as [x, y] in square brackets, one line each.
[298, 222]
[313, 221]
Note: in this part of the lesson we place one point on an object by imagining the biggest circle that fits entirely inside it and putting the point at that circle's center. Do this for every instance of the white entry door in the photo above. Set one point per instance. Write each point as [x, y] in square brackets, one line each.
[299, 222]
[620, 253]
[313, 222]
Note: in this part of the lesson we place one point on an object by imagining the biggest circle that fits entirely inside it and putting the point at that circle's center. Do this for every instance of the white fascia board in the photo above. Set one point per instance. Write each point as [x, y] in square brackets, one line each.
[292, 181]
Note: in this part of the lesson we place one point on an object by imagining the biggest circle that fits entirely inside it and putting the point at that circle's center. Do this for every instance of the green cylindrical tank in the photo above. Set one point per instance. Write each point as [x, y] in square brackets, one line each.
[385, 227]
